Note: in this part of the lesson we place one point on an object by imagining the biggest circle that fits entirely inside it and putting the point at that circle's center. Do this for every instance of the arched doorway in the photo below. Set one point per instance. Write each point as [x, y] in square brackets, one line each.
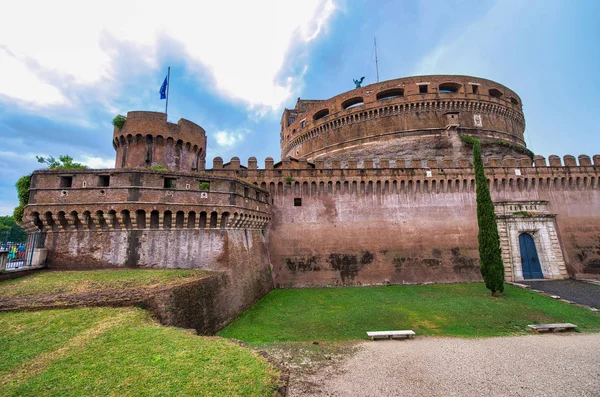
[529, 257]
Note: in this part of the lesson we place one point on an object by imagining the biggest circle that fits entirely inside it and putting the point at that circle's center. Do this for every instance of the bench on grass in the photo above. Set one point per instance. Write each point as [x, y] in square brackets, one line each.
[390, 334]
[551, 327]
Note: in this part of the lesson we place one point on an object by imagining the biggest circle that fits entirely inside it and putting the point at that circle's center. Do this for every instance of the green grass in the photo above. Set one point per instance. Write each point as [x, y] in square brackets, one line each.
[121, 352]
[54, 282]
[336, 314]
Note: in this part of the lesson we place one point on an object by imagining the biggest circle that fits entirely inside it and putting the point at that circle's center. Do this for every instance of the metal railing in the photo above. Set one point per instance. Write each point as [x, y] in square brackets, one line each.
[20, 255]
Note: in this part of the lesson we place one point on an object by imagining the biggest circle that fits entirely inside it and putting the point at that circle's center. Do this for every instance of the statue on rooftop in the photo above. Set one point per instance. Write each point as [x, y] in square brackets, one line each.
[358, 82]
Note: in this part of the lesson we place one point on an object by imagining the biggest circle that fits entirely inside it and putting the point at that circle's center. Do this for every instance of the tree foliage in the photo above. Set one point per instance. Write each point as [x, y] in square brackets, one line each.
[119, 121]
[490, 255]
[22, 186]
[64, 162]
[10, 231]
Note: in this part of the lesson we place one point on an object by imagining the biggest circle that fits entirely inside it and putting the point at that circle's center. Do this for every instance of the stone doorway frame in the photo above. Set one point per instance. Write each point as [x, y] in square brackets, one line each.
[516, 217]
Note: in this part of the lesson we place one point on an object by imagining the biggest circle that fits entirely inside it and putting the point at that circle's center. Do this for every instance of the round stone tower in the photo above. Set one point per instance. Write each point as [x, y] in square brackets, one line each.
[412, 117]
[147, 139]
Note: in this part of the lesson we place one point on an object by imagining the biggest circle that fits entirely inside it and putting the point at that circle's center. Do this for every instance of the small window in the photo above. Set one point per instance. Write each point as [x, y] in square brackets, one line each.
[475, 89]
[495, 93]
[388, 94]
[245, 192]
[448, 88]
[66, 181]
[257, 195]
[303, 123]
[170, 183]
[352, 102]
[291, 120]
[514, 101]
[104, 180]
[320, 114]
[423, 89]
[297, 202]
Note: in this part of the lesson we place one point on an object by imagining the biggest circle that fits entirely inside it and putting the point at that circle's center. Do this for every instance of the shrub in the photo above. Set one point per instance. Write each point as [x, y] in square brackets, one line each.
[158, 167]
[289, 180]
[204, 186]
[119, 121]
[64, 162]
[490, 255]
[22, 186]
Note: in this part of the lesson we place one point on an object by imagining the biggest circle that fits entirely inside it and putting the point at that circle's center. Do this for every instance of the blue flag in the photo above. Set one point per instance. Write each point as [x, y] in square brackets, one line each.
[163, 89]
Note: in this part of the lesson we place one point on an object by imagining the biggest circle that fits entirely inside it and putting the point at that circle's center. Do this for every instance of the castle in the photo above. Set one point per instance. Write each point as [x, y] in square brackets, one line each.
[375, 186]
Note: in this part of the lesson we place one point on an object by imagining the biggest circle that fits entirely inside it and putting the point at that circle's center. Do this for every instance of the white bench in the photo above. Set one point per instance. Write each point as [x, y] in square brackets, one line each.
[390, 334]
[551, 327]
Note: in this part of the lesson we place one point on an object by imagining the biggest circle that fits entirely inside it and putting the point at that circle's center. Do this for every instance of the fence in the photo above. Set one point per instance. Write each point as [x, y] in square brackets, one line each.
[21, 255]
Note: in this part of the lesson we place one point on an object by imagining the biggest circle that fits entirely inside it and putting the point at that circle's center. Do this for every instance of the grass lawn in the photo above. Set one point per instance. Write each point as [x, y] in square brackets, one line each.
[336, 314]
[54, 282]
[121, 352]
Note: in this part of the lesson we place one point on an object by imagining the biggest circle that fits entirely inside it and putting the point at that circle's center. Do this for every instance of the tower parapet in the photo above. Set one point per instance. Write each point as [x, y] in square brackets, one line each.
[407, 116]
[147, 139]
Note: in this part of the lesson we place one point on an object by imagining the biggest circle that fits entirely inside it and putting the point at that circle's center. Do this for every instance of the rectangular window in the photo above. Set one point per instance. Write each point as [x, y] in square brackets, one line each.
[245, 192]
[291, 120]
[297, 202]
[303, 124]
[66, 181]
[257, 195]
[475, 89]
[170, 183]
[423, 89]
[104, 180]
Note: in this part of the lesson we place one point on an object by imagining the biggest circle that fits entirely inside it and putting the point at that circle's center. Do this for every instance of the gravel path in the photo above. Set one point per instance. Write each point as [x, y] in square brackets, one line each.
[576, 291]
[535, 365]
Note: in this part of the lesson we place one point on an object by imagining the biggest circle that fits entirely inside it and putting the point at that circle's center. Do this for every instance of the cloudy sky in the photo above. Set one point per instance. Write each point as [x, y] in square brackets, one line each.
[68, 67]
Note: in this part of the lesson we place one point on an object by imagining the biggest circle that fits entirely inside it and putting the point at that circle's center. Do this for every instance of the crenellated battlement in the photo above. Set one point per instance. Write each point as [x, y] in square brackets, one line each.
[410, 163]
[147, 139]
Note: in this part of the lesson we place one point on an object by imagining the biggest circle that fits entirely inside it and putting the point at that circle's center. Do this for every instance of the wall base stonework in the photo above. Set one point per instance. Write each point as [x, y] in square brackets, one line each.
[241, 256]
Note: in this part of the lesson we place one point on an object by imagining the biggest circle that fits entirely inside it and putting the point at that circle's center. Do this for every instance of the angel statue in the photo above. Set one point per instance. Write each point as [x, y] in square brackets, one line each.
[358, 82]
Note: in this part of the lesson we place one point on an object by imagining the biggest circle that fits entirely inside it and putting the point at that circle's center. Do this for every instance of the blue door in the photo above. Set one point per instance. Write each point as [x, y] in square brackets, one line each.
[529, 257]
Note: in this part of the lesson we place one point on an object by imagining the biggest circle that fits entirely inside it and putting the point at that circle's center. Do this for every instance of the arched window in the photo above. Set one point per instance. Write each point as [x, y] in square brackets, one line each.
[447, 88]
[348, 103]
[388, 94]
[320, 114]
[495, 93]
[514, 101]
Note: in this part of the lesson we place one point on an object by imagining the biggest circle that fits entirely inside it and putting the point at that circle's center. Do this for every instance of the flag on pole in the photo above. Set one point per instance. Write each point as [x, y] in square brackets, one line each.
[163, 88]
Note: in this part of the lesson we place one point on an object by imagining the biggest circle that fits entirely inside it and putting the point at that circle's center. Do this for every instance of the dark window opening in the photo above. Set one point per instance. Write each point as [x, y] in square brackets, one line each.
[495, 93]
[475, 89]
[393, 93]
[245, 192]
[104, 180]
[297, 202]
[320, 114]
[170, 183]
[303, 123]
[448, 88]
[291, 120]
[349, 103]
[423, 89]
[514, 101]
[257, 195]
[66, 181]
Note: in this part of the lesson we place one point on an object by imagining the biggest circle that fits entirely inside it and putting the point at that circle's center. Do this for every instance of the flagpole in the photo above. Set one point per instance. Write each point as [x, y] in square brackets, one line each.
[168, 84]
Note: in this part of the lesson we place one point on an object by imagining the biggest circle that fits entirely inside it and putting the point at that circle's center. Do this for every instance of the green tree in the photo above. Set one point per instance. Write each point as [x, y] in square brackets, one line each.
[9, 230]
[490, 255]
[22, 186]
[64, 162]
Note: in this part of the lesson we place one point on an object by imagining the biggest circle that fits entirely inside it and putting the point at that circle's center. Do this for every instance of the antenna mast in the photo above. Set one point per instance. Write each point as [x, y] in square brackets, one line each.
[376, 63]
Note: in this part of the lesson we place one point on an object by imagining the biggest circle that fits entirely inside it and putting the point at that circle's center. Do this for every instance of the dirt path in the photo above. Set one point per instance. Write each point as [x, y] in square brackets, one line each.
[536, 365]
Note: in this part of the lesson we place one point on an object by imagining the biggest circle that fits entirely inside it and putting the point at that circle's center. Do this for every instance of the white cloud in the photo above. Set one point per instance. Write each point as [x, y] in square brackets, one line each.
[229, 139]
[242, 43]
[96, 162]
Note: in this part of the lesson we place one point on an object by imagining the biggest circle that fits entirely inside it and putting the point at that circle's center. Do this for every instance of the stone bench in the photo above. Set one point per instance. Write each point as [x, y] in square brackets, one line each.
[551, 327]
[390, 334]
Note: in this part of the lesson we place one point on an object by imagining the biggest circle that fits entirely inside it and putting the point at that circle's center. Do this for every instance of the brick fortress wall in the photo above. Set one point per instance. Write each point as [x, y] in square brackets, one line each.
[407, 117]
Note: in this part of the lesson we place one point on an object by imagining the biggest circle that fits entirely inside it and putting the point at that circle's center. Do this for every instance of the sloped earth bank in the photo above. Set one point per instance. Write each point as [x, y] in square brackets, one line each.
[535, 365]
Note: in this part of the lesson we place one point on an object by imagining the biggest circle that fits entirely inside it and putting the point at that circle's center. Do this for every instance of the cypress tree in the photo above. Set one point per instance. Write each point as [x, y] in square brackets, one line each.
[490, 256]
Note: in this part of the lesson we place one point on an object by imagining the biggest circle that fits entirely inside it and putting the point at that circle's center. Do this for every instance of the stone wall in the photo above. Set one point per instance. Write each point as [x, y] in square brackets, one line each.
[241, 255]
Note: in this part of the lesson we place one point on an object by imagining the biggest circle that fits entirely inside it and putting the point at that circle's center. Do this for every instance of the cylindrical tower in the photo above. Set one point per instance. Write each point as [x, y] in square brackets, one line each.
[419, 117]
[147, 139]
